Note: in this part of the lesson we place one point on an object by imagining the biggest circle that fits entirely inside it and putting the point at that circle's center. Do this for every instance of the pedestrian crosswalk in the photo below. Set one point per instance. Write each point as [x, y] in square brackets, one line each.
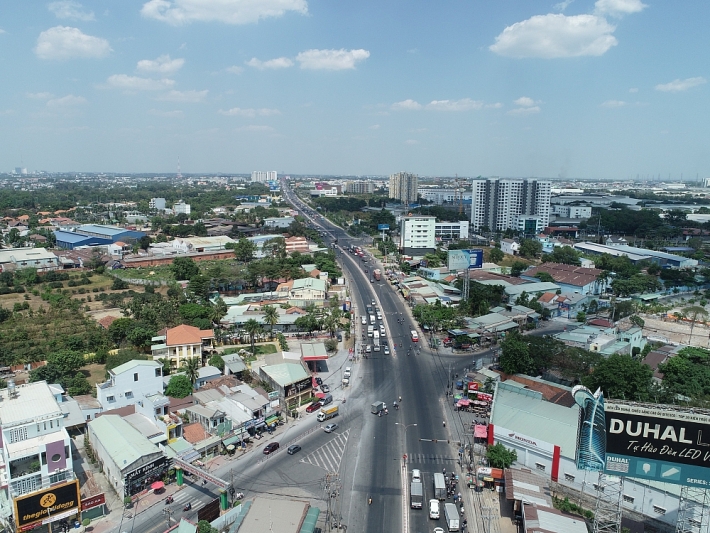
[329, 455]
[182, 498]
[428, 458]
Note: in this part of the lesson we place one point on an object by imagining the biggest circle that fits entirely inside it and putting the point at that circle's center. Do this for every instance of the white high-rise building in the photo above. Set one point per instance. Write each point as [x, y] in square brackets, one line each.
[404, 186]
[262, 176]
[181, 207]
[417, 235]
[496, 203]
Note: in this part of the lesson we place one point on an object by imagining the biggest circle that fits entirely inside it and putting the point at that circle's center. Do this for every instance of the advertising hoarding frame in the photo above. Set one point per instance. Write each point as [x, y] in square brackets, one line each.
[463, 259]
[41, 505]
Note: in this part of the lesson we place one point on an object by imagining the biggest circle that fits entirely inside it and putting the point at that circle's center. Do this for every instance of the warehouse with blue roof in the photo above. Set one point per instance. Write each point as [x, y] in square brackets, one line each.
[95, 235]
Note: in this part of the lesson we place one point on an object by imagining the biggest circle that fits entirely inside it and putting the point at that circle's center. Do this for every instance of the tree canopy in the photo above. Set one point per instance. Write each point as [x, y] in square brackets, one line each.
[621, 377]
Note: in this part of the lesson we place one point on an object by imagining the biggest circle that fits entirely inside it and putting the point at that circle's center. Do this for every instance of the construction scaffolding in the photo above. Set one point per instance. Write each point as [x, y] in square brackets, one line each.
[693, 511]
[607, 511]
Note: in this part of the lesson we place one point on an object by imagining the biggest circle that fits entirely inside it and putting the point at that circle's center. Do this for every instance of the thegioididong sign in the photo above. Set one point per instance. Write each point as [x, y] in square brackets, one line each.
[41, 505]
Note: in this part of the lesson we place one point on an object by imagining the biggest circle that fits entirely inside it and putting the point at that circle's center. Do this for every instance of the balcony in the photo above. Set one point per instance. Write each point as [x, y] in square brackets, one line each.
[25, 466]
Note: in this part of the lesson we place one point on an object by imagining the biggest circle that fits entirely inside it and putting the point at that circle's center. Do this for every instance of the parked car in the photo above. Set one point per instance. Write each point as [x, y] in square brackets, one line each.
[314, 407]
[271, 448]
[293, 449]
[329, 428]
[325, 388]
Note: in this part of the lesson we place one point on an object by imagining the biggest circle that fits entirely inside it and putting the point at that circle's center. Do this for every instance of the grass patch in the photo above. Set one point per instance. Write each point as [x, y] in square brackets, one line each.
[94, 372]
[259, 349]
[157, 273]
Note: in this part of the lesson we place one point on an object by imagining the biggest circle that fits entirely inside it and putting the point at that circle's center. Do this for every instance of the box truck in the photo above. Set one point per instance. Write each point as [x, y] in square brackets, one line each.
[452, 516]
[439, 486]
[416, 495]
[327, 412]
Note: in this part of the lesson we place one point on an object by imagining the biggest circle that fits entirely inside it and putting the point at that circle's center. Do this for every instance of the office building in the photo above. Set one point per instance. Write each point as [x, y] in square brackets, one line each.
[496, 203]
[181, 207]
[451, 231]
[529, 225]
[403, 187]
[417, 235]
[157, 203]
[262, 176]
[35, 450]
[572, 211]
[360, 187]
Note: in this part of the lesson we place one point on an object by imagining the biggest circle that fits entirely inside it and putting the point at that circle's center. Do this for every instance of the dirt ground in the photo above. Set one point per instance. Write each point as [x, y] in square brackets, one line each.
[674, 332]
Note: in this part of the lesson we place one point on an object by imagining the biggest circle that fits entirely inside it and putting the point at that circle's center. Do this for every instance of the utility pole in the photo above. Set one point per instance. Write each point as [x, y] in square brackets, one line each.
[332, 490]
[167, 513]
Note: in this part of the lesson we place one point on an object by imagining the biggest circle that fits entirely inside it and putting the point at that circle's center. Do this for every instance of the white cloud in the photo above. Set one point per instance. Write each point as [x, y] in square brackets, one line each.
[68, 9]
[406, 105]
[234, 69]
[331, 59]
[135, 83]
[2, 31]
[179, 12]
[239, 112]
[496, 105]
[677, 86]
[66, 101]
[255, 128]
[63, 42]
[190, 97]
[561, 6]
[465, 104]
[610, 104]
[525, 101]
[633, 90]
[411, 141]
[375, 127]
[524, 111]
[40, 96]
[167, 114]
[556, 35]
[279, 62]
[617, 8]
[162, 65]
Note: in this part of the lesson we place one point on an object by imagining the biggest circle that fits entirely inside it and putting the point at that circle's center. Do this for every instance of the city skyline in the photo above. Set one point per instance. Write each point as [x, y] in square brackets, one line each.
[578, 89]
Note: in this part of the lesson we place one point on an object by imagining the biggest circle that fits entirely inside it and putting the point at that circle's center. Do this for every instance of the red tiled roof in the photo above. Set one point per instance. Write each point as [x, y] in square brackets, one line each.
[601, 322]
[484, 275]
[106, 321]
[185, 334]
[547, 297]
[567, 274]
[193, 433]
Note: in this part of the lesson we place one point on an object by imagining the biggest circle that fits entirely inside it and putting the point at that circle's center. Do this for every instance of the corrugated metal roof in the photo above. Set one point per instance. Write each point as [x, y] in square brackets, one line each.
[124, 444]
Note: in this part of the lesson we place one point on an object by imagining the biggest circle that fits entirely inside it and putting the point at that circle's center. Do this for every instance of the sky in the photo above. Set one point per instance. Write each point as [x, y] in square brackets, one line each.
[580, 89]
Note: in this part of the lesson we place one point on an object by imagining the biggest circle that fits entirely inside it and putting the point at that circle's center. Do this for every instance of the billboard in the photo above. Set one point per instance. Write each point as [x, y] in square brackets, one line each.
[463, 259]
[383, 227]
[47, 504]
[654, 442]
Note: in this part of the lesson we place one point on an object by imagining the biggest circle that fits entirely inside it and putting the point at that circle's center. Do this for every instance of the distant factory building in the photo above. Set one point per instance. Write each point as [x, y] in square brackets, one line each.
[95, 235]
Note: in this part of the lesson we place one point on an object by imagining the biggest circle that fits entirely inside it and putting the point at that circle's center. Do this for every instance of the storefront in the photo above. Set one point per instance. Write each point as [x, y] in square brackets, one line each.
[49, 505]
[140, 479]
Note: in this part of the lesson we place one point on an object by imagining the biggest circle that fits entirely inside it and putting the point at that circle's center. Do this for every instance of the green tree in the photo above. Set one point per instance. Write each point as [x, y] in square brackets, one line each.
[562, 254]
[184, 268]
[79, 385]
[621, 377]
[271, 317]
[545, 276]
[517, 268]
[253, 328]
[216, 361]
[501, 457]
[191, 367]
[695, 312]
[203, 526]
[581, 316]
[179, 386]
[530, 248]
[244, 250]
[515, 357]
[496, 255]
[119, 284]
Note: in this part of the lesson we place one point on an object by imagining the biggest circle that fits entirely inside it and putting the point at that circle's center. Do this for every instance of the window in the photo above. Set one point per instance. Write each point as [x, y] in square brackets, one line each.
[540, 466]
[659, 510]
[628, 499]
[135, 376]
[110, 398]
[56, 478]
[18, 434]
[569, 477]
[129, 394]
[158, 372]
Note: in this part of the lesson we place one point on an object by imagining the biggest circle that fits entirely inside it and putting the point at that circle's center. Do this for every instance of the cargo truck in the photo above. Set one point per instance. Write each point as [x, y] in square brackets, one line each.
[439, 486]
[376, 407]
[416, 495]
[327, 412]
[377, 274]
[452, 516]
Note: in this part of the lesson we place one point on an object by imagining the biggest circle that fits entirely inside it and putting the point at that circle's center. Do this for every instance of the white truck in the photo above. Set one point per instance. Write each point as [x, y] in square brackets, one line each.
[327, 412]
[452, 516]
[416, 495]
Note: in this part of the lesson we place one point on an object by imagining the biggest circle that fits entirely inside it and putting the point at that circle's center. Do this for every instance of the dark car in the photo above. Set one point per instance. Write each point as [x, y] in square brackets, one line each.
[314, 407]
[271, 448]
[293, 449]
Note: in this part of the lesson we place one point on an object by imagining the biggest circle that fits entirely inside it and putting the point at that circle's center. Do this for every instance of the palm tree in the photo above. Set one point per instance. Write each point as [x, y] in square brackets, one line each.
[271, 317]
[252, 327]
[192, 368]
[693, 313]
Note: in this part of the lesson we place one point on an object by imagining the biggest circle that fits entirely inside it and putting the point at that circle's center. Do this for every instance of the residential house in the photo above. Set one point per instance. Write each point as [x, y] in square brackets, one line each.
[181, 343]
[304, 289]
[570, 278]
[509, 246]
[206, 374]
[289, 379]
[129, 383]
[296, 244]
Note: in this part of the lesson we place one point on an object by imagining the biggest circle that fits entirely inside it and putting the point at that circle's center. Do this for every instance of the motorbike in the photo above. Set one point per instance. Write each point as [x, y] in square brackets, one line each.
[187, 507]
[168, 500]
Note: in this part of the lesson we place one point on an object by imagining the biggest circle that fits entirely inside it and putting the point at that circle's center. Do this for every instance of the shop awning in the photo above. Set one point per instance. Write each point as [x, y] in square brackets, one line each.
[272, 419]
[463, 402]
[310, 521]
[480, 431]
[320, 395]
[234, 439]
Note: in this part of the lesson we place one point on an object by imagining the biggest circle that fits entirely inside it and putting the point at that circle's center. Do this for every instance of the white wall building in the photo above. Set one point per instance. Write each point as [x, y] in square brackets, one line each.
[404, 186]
[509, 246]
[529, 224]
[278, 222]
[441, 196]
[202, 244]
[181, 207]
[417, 235]
[157, 203]
[451, 231]
[35, 445]
[129, 383]
[497, 202]
[572, 211]
[262, 176]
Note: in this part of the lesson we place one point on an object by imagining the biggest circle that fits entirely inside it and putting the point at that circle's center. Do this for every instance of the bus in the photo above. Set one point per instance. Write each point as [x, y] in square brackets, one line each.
[415, 337]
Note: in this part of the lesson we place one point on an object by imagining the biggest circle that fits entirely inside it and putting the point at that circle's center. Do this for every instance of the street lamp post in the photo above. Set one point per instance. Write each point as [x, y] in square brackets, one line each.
[404, 441]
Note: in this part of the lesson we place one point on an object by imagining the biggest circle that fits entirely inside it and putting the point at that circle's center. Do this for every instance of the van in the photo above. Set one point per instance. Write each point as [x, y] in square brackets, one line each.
[328, 398]
[372, 319]
[434, 509]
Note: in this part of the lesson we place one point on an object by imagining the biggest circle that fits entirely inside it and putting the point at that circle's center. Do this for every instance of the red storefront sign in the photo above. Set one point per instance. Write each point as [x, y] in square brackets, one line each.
[92, 501]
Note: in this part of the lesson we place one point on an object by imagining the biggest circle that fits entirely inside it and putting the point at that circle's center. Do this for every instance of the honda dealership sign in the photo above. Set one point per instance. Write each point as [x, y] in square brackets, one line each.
[646, 441]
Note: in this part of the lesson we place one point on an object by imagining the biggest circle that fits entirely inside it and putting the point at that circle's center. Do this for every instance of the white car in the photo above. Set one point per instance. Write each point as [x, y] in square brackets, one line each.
[386, 350]
[416, 475]
[363, 320]
[435, 511]
[347, 372]
[376, 348]
[368, 348]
